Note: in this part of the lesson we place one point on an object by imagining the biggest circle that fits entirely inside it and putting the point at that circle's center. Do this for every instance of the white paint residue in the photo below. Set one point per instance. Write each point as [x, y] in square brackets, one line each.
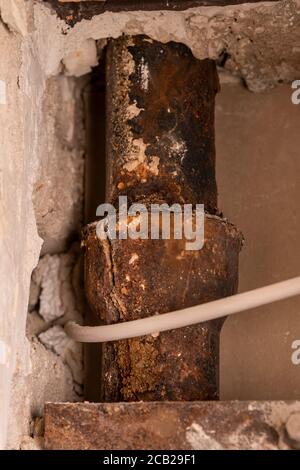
[200, 440]
[133, 110]
[144, 70]
[133, 258]
[138, 157]
[177, 146]
[2, 92]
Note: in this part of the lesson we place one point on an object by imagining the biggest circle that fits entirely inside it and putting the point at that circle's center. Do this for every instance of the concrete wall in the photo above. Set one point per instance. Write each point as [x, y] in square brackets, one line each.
[19, 241]
[41, 180]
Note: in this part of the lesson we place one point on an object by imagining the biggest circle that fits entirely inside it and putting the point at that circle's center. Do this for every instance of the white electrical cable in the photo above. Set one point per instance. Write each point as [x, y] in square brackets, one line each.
[187, 316]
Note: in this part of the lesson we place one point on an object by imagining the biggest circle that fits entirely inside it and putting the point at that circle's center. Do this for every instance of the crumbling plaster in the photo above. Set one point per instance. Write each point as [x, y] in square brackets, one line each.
[41, 176]
[19, 241]
[262, 45]
[259, 42]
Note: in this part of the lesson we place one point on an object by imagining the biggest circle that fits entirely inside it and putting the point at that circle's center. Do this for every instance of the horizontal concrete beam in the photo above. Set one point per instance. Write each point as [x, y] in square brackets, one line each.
[73, 11]
[171, 425]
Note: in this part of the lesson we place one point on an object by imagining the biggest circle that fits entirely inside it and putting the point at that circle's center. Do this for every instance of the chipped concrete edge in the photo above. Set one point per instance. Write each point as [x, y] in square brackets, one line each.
[259, 40]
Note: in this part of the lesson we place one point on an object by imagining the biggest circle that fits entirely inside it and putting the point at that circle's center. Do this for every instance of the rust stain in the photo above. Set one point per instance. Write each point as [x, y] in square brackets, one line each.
[164, 425]
[161, 134]
[180, 364]
[160, 149]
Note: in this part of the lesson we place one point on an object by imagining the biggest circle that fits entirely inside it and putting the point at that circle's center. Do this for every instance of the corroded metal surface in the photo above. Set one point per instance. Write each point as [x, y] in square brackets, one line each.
[160, 126]
[160, 149]
[165, 425]
[130, 279]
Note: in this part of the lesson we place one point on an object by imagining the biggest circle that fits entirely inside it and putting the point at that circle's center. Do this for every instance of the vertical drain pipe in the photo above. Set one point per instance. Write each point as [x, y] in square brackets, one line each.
[160, 149]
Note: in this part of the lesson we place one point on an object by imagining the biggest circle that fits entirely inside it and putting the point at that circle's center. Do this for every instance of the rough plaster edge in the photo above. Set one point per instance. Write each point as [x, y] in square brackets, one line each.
[195, 27]
[162, 26]
[30, 98]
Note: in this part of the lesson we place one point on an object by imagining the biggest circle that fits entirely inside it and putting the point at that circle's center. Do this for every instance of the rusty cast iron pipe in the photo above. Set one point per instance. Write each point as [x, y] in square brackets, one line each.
[160, 149]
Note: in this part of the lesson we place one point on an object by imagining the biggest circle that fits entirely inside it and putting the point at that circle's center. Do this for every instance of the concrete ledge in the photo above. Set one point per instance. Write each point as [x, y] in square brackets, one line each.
[168, 425]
